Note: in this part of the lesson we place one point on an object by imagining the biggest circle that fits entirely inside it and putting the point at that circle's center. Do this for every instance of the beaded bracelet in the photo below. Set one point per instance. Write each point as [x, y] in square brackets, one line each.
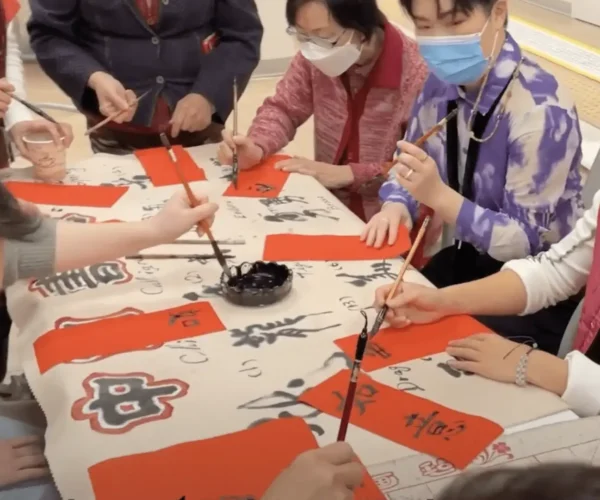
[521, 375]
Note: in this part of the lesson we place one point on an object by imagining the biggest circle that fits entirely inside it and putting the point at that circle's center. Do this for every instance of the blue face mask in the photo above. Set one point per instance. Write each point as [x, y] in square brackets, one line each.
[454, 59]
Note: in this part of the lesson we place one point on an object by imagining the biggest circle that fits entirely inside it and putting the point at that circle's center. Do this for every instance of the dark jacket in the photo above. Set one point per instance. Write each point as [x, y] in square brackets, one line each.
[74, 38]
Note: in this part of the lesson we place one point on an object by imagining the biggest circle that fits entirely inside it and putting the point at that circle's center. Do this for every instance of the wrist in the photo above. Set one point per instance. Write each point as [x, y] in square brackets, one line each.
[93, 79]
[347, 176]
[451, 302]
[547, 372]
[148, 233]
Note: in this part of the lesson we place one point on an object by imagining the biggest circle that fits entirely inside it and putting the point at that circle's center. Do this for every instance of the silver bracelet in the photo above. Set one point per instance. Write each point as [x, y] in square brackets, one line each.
[521, 375]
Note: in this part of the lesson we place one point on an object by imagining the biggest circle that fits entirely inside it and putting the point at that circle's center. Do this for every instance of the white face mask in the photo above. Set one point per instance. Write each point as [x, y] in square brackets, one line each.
[333, 62]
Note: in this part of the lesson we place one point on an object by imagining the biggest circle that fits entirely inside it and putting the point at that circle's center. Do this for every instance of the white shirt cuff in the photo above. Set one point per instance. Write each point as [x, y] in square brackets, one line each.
[583, 385]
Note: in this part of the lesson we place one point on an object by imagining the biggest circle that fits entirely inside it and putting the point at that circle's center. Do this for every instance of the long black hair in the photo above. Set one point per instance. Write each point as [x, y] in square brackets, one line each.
[363, 16]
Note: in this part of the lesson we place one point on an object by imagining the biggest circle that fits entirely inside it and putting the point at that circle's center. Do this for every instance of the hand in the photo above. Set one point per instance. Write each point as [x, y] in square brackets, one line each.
[249, 154]
[386, 223]
[62, 134]
[330, 176]
[487, 355]
[412, 304]
[22, 459]
[330, 473]
[178, 217]
[193, 113]
[418, 174]
[5, 97]
[29, 208]
[112, 97]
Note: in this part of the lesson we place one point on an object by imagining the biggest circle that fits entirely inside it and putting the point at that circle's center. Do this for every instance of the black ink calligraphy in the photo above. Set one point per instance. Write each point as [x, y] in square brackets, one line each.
[404, 383]
[283, 200]
[433, 426]
[251, 369]
[380, 270]
[303, 216]
[365, 394]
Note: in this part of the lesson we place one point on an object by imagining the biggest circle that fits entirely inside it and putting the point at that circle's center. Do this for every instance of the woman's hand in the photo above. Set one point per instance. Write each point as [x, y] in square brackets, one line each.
[330, 176]
[419, 175]
[487, 354]
[62, 134]
[385, 224]
[412, 304]
[112, 97]
[249, 154]
[193, 113]
[178, 217]
[22, 459]
[6, 89]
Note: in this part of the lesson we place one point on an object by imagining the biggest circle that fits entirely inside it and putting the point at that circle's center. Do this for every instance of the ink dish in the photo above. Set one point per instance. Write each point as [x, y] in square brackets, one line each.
[257, 284]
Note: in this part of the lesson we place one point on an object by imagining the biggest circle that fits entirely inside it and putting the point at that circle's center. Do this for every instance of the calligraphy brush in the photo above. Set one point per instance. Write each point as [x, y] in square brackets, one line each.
[361, 345]
[194, 203]
[383, 311]
[114, 115]
[37, 110]
[425, 137]
[234, 163]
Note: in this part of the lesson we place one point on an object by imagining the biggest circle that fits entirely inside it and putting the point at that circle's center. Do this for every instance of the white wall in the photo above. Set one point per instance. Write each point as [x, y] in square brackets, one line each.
[277, 44]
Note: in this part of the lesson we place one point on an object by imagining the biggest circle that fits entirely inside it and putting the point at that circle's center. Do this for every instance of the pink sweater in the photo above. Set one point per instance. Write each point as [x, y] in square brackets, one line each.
[399, 73]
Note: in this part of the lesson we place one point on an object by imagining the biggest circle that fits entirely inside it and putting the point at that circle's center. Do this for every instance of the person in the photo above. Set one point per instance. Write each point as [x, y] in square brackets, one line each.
[503, 175]
[186, 54]
[358, 75]
[34, 246]
[525, 287]
[18, 120]
[549, 481]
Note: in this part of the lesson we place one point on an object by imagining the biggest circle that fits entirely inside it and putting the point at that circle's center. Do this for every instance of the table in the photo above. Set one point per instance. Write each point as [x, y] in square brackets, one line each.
[223, 382]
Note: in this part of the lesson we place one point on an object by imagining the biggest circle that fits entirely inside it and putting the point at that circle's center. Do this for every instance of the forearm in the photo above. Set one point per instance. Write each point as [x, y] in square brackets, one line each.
[547, 372]
[60, 246]
[501, 294]
[366, 173]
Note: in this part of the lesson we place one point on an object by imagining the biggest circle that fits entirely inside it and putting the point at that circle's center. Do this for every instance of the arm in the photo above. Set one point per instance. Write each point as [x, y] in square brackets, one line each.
[236, 55]
[54, 39]
[541, 160]
[277, 120]
[528, 285]
[14, 74]
[57, 247]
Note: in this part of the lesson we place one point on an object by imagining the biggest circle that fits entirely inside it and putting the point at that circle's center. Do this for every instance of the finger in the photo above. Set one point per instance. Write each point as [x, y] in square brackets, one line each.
[468, 342]
[306, 171]
[412, 163]
[186, 123]
[67, 133]
[31, 474]
[5, 86]
[176, 121]
[381, 233]
[482, 337]
[225, 154]
[350, 475]
[371, 233]
[464, 353]
[201, 198]
[55, 131]
[241, 141]
[21, 146]
[131, 98]
[205, 211]
[31, 461]
[228, 139]
[5, 99]
[381, 295]
[26, 441]
[399, 321]
[392, 233]
[29, 450]
[284, 163]
[411, 149]
[465, 366]
[337, 453]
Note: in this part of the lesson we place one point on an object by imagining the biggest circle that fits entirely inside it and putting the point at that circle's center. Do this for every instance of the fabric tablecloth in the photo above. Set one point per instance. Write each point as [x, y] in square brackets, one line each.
[200, 387]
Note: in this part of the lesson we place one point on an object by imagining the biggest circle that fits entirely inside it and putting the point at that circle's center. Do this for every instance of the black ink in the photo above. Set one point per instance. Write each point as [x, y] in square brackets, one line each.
[404, 384]
[191, 296]
[186, 318]
[141, 181]
[196, 355]
[294, 383]
[251, 367]
[206, 258]
[257, 284]
[433, 427]
[364, 396]
[453, 372]
[302, 270]
[381, 270]
[77, 280]
[260, 333]
[376, 351]
[350, 304]
[282, 200]
[236, 212]
[302, 216]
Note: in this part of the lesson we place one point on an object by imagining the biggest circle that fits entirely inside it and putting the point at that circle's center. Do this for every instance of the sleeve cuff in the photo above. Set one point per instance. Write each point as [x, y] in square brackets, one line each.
[33, 257]
[583, 385]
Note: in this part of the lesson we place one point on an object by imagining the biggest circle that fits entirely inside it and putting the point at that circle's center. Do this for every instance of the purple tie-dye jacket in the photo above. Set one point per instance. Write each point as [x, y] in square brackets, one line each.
[527, 185]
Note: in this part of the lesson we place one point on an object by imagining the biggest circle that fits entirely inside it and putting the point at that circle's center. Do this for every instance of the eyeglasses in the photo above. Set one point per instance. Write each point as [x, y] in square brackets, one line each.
[326, 43]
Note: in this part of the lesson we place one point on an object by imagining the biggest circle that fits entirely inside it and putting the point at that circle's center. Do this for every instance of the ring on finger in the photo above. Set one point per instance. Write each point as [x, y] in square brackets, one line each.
[408, 174]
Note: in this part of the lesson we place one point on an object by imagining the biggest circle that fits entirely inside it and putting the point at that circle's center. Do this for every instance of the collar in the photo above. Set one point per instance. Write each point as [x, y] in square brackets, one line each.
[387, 71]
[498, 79]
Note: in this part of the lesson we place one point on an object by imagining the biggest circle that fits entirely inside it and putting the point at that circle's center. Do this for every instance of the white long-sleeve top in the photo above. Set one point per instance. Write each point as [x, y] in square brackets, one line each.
[554, 276]
[14, 74]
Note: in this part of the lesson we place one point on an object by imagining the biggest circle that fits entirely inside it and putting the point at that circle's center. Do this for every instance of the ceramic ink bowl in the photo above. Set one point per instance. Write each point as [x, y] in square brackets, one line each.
[257, 284]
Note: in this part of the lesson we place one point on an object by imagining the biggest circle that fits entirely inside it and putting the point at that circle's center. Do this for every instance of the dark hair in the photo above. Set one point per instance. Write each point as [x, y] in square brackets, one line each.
[463, 6]
[363, 16]
[543, 482]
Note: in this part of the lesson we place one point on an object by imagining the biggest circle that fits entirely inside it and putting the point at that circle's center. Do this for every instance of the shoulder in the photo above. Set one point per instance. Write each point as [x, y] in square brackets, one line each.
[540, 103]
